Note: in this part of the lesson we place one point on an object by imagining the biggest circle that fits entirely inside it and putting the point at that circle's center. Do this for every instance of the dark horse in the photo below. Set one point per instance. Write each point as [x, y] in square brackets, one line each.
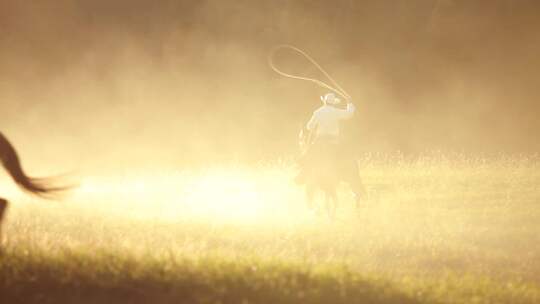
[323, 166]
[10, 161]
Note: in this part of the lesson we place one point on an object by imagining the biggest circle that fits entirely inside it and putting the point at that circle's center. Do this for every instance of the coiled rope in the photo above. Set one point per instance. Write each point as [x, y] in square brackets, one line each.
[336, 89]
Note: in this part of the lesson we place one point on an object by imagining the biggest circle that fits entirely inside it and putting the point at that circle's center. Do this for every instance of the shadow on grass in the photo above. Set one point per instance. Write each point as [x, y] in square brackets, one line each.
[105, 278]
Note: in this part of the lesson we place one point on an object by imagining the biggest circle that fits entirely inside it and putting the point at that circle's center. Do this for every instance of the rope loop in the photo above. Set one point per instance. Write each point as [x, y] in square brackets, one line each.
[336, 89]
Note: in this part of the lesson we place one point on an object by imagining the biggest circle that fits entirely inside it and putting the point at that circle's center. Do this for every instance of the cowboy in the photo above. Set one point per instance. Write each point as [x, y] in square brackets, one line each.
[324, 145]
[326, 119]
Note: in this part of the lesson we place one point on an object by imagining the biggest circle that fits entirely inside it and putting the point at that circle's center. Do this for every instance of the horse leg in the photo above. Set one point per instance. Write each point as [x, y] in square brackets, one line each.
[348, 171]
[358, 190]
[331, 202]
[310, 193]
[3, 207]
[357, 186]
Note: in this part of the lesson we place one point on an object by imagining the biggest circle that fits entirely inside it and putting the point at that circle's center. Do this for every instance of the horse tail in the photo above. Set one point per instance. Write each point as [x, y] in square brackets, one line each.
[10, 161]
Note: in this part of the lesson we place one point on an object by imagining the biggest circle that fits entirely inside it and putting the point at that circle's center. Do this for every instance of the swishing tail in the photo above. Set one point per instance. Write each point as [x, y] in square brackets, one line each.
[10, 161]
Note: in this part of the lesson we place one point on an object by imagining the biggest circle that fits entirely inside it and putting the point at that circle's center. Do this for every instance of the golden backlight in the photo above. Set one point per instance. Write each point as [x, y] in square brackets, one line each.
[238, 195]
[420, 218]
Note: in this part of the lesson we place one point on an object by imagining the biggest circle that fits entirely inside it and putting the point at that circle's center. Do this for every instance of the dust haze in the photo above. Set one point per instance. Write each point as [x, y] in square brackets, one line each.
[146, 83]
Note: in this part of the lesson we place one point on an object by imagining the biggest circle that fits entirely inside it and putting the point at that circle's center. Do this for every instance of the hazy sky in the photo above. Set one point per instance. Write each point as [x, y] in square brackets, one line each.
[177, 80]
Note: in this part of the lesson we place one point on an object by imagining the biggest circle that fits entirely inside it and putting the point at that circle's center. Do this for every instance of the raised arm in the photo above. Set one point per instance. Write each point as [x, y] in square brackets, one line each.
[348, 112]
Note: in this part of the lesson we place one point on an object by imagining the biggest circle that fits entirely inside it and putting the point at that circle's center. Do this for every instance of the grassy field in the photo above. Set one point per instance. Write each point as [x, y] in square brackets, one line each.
[434, 230]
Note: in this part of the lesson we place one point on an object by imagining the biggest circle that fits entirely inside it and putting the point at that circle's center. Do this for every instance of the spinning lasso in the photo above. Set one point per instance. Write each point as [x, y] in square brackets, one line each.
[337, 88]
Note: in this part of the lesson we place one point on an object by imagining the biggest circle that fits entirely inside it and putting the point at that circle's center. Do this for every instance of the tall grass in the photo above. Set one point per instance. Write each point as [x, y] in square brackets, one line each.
[434, 229]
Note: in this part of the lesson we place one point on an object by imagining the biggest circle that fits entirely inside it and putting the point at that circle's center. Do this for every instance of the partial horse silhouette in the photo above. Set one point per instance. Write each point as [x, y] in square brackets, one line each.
[323, 167]
[36, 186]
[321, 174]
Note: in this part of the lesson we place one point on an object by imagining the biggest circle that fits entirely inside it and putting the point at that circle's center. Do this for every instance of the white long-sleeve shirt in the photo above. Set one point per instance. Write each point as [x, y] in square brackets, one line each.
[326, 119]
